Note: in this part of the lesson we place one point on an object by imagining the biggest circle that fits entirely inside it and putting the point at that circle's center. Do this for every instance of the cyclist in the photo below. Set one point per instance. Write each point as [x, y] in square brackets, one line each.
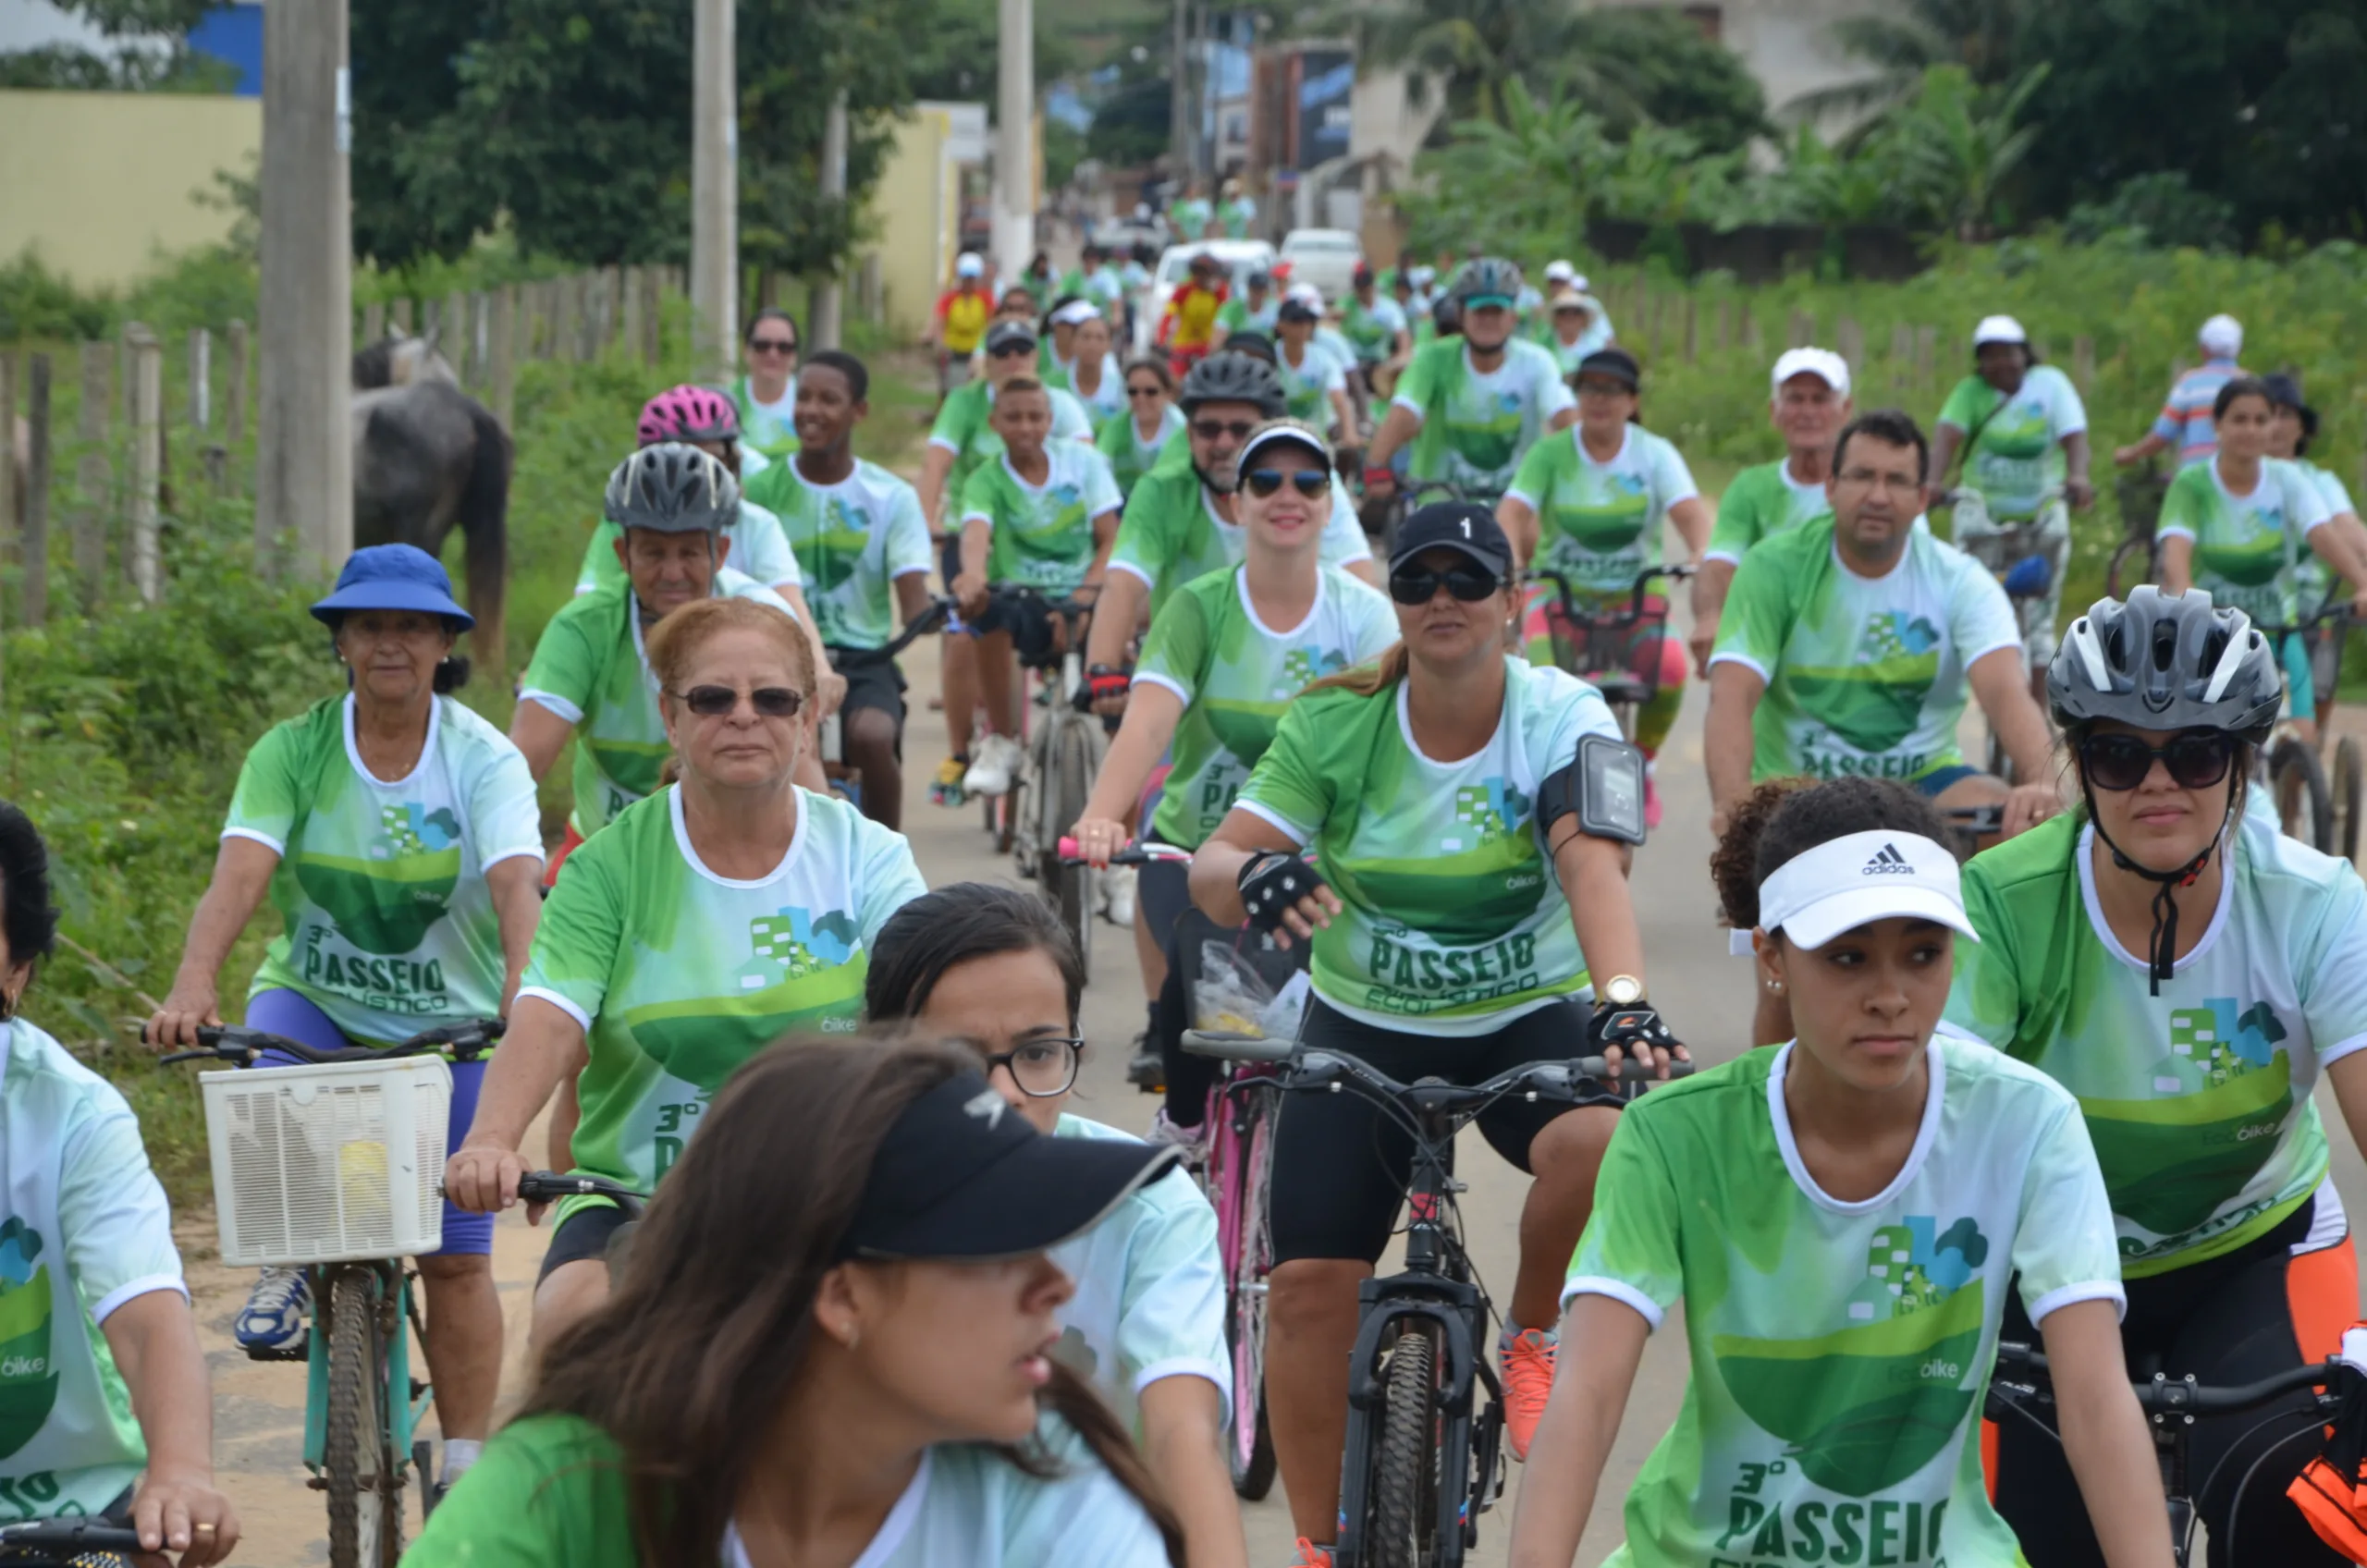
[2292, 426]
[1375, 329]
[706, 921]
[836, 1343]
[959, 322]
[1038, 281]
[1315, 385]
[1472, 408]
[1850, 643]
[1042, 516]
[1575, 328]
[1094, 278]
[1131, 441]
[87, 1229]
[1237, 212]
[2189, 974]
[766, 395]
[397, 834]
[1090, 370]
[2187, 422]
[1808, 402]
[991, 967]
[1255, 311]
[1189, 326]
[963, 437]
[1456, 913]
[1189, 214]
[1847, 1219]
[1225, 655]
[859, 538]
[2023, 432]
[1600, 497]
[1328, 334]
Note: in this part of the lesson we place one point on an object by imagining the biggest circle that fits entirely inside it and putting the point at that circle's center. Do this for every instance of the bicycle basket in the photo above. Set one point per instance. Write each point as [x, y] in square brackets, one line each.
[323, 1164]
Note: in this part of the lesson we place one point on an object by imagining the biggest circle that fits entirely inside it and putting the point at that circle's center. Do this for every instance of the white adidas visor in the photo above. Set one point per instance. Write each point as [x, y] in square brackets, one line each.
[1857, 879]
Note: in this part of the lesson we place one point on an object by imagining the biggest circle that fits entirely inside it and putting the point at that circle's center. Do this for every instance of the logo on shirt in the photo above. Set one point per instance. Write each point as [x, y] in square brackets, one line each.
[986, 1106]
[1887, 861]
[384, 895]
[1894, 634]
[1492, 808]
[28, 1376]
[412, 829]
[795, 942]
[1304, 666]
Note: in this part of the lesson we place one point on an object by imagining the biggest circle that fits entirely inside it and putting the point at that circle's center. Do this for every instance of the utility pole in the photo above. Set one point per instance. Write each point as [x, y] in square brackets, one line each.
[1179, 117]
[304, 471]
[826, 325]
[715, 188]
[1015, 138]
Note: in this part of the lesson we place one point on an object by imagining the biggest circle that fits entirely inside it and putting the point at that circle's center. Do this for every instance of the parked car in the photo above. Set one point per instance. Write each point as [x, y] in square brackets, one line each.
[1241, 257]
[1324, 257]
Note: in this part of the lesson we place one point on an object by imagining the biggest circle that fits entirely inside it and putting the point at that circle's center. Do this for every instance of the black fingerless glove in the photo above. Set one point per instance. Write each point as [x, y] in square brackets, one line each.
[1272, 882]
[1633, 1029]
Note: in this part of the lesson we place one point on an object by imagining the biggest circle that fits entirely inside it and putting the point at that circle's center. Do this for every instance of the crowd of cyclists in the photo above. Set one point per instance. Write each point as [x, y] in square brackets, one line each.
[895, 1303]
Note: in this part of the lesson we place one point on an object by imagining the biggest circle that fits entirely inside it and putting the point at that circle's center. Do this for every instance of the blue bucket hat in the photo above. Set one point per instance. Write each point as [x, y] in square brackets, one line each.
[392, 577]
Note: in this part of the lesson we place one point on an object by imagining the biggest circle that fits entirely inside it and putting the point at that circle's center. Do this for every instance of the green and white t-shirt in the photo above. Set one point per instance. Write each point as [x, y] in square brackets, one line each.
[767, 428]
[1150, 1299]
[1372, 329]
[1171, 534]
[1864, 675]
[1477, 428]
[677, 975]
[851, 541]
[1130, 456]
[551, 1491]
[2245, 547]
[961, 428]
[1235, 675]
[1455, 922]
[1308, 386]
[1762, 501]
[2016, 453]
[1840, 1351]
[83, 1229]
[1599, 523]
[1108, 394]
[1237, 314]
[592, 668]
[1042, 534]
[757, 547]
[390, 929]
[2198, 1099]
[2313, 579]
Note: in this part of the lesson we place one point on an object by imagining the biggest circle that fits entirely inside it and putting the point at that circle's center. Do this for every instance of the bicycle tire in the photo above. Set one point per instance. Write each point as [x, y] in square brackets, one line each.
[2298, 785]
[1065, 793]
[2121, 575]
[1405, 1492]
[1250, 1260]
[2346, 784]
[357, 1467]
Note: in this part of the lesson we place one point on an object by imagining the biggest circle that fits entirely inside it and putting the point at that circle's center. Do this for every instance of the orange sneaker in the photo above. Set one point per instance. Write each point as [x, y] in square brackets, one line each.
[1526, 1360]
[1311, 1555]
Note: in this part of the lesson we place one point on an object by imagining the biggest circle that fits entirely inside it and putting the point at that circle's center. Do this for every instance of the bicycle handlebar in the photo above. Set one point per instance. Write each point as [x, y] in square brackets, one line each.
[1554, 1080]
[2183, 1396]
[467, 1039]
[1133, 853]
[933, 615]
[1644, 581]
[64, 1539]
[549, 1186]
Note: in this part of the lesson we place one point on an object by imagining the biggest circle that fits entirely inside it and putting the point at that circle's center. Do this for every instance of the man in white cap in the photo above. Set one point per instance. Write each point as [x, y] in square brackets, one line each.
[1809, 402]
[2186, 420]
[962, 314]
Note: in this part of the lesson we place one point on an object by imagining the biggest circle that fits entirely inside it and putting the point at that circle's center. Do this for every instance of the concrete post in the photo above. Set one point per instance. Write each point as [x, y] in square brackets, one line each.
[715, 187]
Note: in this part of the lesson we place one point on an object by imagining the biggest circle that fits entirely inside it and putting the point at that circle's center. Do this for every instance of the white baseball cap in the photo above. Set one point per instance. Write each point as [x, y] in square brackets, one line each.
[1859, 878]
[1305, 294]
[969, 264]
[1559, 272]
[2222, 335]
[1076, 312]
[1999, 329]
[1822, 363]
[1424, 276]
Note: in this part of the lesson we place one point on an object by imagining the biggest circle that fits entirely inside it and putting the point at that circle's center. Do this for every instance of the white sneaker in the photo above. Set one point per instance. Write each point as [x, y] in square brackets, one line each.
[992, 769]
[1118, 894]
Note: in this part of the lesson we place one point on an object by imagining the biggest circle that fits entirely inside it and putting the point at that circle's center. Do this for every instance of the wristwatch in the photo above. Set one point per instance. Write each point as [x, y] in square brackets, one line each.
[1620, 990]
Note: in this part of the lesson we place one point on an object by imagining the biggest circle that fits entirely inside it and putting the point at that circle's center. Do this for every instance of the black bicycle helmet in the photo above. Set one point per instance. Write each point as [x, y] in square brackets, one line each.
[672, 488]
[1488, 277]
[1233, 378]
[2167, 661]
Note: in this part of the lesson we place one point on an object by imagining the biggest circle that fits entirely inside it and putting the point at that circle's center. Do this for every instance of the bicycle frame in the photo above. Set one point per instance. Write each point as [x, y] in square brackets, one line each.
[398, 1315]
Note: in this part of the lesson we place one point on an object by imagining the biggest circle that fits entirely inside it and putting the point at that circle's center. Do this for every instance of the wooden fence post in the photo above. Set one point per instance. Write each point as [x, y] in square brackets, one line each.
[374, 323]
[653, 315]
[93, 474]
[2083, 363]
[34, 543]
[9, 521]
[147, 458]
[456, 333]
[401, 314]
[1722, 333]
[1850, 340]
[1927, 355]
[480, 338]
[1902, 360]
[201, 380]
[503, 370]
[1748, 328]
[629, 309]
[1691, 315]
[234, 411]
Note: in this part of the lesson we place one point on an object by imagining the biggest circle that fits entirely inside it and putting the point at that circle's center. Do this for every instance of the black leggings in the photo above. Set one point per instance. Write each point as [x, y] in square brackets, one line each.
[2235, 1319]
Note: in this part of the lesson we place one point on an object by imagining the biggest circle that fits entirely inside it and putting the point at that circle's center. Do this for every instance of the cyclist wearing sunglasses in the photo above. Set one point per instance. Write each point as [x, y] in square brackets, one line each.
[1455, 910]
[1225, 655]
[2189, 974]
[992, 968]
[766, 395]
[706, 921]
[670, 503]
[1132, 440]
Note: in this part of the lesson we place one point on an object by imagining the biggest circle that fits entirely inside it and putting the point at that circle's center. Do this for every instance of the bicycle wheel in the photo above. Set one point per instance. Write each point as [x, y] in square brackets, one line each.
[2297, 784]
[357, 1464]
[2134, 562]
[1404, 1493]
[2346, 787]
[1248, 1261]
[1067, 787]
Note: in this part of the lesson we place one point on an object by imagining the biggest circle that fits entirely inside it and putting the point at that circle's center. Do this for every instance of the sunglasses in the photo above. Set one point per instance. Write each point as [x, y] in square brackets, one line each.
[1010, 350]
[719, 702]
[1310, 483]
[2121, 762]
[773, 345]
[1214, 429]
[1143, 391]
[1419, 585]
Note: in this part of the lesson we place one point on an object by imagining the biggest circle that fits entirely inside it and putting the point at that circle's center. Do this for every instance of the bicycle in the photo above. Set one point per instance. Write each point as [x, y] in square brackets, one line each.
[1597, 644]
[831, 739]
[289, 1180]
[2171, 1407]
[2138, 558]
[551, 1186]
[2291, 770]
[2028, 560]
[68, 1543]
[1055, 778]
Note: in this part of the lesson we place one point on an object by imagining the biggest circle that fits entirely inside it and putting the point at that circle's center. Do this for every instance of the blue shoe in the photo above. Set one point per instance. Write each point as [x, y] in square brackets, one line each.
[274, 1318]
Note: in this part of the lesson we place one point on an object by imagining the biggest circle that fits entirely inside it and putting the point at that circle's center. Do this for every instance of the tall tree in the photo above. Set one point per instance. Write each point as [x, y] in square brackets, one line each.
[1901, 39]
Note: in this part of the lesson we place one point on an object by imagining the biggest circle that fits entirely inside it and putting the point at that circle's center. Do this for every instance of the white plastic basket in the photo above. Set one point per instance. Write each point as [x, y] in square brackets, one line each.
[324, 1164]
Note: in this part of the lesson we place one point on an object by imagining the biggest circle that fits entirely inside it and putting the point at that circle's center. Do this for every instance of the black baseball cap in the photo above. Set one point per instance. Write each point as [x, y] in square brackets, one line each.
[1612, 364]
[1010, 335]
[1257, 345]
[963, 1176]
[1297, 310]
[1465, 526]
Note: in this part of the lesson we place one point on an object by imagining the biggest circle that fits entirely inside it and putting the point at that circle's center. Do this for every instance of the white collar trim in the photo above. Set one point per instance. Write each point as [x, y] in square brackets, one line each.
[353, 748]
[1935, 1075]
[682, 842]
[2230, 838]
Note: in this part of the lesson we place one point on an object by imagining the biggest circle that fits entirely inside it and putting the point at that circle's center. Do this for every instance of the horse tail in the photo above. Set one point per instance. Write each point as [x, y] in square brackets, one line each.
[483, 516]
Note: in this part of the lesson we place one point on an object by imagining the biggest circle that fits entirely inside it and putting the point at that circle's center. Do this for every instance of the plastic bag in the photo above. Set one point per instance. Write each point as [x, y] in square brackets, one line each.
[1232, 994]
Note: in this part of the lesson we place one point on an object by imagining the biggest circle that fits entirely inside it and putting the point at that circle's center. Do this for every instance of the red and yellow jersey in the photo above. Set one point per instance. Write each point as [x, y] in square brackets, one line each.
[961, 316]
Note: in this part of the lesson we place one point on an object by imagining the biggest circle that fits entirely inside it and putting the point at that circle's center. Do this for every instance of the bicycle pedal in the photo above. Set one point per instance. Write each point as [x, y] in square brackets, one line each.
[292, 1353]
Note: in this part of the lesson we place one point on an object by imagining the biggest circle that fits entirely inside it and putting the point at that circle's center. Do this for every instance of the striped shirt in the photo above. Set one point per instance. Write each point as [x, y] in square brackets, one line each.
[2186, 420]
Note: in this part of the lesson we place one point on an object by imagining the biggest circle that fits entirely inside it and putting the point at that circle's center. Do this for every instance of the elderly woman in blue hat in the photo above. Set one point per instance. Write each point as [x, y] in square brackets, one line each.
[397, 835]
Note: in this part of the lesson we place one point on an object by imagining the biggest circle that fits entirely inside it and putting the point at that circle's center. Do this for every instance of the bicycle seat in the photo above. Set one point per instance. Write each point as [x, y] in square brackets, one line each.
[1226, 1044]
[1621, 689]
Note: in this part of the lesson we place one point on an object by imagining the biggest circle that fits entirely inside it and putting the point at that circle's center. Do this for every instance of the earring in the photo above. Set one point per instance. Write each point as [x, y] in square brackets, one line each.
[1776, 986]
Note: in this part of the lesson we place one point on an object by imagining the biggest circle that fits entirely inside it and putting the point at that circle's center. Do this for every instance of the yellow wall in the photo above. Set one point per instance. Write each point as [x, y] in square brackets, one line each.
[98, 183]
[916, 211]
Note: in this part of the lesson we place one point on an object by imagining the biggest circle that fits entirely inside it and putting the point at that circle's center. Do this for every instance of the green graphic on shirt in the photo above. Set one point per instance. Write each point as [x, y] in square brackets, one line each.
[804, 970]
[1878, 700]
[1490, 808]
[28, 1376]
[385, 903]
[2221, 1095]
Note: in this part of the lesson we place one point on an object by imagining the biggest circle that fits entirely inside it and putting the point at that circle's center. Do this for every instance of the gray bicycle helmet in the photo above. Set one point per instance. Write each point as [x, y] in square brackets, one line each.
[1489, 277]
[1233, 378]
[2167, 661]
[672, 488]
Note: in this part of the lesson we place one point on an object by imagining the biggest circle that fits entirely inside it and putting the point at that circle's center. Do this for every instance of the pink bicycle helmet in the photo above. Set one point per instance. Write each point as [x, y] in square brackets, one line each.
[688, 413]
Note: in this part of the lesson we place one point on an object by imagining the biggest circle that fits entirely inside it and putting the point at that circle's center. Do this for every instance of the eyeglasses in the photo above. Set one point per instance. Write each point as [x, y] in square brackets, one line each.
[1310, 483]
[772, 345]
[717, 702]
[1866, 479]
[1419, 585]
[1044, 1068]
[2195, 761]
[1145, 391]
[1216, 429]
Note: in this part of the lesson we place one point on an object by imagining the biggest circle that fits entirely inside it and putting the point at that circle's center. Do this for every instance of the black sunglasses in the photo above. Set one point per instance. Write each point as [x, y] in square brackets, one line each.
[1419, 585]
[1212, 429]
[773, 345]
[2121, 762]
[1009, 350]
[1145, 391]
[715, 702]
[1310, 483]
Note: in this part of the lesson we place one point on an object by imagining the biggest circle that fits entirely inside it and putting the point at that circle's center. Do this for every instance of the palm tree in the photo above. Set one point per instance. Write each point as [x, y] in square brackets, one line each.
[1473, 48]
[1901, 41]
[1958, 143]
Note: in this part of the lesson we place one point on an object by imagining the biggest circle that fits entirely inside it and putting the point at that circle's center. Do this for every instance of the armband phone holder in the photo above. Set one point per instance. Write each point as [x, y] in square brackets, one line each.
[1611, 790]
